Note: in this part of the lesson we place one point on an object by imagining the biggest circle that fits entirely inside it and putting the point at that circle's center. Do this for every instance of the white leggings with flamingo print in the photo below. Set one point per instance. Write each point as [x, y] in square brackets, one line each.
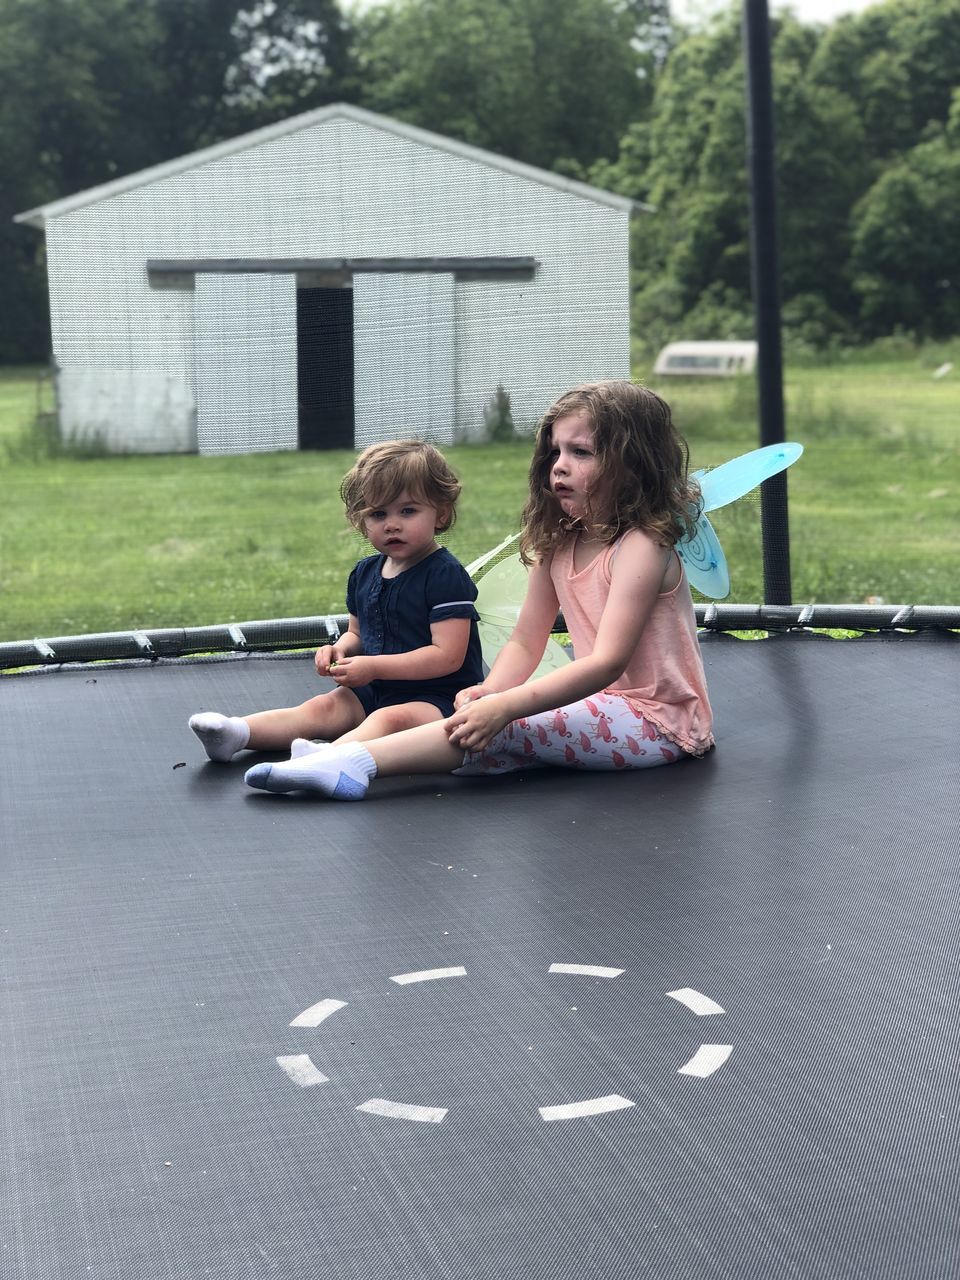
[602, 732]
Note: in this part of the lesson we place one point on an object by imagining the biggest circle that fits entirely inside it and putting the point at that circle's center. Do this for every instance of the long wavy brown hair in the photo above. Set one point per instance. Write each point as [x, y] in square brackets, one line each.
[642, 480]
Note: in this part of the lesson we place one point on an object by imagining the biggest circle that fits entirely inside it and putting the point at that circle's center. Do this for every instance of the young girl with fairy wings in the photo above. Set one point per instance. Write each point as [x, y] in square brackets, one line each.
[609, 498]
[412, 641]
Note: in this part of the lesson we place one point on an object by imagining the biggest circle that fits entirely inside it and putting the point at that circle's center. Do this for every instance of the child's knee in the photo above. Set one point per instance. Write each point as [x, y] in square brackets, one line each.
[394, 719]
[329, 714]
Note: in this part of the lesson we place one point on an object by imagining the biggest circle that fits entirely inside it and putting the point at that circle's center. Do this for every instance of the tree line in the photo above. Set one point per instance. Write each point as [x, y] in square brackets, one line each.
[867, 120]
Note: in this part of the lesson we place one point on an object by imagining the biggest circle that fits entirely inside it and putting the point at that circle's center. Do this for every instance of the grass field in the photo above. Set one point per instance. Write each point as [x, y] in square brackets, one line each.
[108, 543]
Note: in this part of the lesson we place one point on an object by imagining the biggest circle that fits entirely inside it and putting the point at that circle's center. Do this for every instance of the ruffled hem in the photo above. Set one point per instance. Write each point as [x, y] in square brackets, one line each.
[692, 746]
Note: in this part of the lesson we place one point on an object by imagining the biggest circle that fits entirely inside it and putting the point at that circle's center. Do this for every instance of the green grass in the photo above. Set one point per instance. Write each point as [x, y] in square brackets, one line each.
[26, 393]
[108, 543]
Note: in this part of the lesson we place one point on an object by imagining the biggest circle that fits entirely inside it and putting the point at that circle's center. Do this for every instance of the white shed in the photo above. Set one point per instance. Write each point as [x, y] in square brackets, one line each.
[331, 280]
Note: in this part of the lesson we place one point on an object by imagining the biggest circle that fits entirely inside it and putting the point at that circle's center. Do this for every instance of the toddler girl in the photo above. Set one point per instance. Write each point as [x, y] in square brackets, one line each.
[412, 641]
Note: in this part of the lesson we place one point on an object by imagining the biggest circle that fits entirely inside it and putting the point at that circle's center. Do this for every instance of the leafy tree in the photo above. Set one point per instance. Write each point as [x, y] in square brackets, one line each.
[822, 168]
[601, 89]
[896, 64]
[291, 56]
[836, 133]
[554, 84]
[906, 244]
[93, 89]
[688, 161]
[59, 131]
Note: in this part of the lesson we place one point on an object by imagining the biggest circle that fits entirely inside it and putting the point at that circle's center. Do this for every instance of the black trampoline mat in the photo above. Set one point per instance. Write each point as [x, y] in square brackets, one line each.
[162, 926]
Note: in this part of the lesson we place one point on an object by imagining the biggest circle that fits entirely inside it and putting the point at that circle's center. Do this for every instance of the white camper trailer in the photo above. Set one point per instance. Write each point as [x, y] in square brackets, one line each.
[707, 359]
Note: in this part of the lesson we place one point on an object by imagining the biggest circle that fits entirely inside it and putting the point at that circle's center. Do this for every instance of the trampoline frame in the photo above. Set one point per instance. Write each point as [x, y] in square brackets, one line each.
[302, 633]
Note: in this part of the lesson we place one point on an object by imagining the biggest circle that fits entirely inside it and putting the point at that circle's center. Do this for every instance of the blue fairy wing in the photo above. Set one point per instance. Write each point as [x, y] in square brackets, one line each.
[704, 561]
[701, 552]
[731, 480]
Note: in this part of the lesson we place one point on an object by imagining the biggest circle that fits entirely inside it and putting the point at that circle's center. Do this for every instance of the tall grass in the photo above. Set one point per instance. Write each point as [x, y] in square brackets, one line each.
[104, 543]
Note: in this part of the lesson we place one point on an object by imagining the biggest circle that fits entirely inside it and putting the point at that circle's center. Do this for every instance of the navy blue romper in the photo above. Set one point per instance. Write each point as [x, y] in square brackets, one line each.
[395, 616]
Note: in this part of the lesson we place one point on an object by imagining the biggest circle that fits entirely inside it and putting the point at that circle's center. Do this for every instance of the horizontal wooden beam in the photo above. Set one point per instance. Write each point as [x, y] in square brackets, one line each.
[278, 266]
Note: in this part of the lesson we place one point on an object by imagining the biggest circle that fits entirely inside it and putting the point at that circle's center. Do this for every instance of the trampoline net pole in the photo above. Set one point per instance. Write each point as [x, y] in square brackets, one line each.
[765, 282]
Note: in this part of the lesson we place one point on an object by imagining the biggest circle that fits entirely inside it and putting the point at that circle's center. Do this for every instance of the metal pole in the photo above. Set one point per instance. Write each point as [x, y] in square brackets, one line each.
[765, 279]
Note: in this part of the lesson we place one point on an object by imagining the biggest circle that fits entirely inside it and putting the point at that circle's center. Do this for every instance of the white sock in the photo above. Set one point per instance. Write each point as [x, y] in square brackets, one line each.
[342, 773]
[306, 747]
[222, 736]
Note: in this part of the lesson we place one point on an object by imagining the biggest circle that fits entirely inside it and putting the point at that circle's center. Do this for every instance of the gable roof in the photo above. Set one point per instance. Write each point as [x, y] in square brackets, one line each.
[39, 216]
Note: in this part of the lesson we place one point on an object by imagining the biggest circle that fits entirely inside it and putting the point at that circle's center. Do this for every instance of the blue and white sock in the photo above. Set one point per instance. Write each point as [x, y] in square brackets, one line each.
[222, 736]
[342, 773]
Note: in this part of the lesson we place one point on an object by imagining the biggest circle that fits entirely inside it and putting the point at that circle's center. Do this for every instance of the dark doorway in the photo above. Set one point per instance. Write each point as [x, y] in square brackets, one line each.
[325, 368]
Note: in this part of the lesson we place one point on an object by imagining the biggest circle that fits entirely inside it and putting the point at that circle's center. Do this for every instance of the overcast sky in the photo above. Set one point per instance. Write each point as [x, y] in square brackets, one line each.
[806, 10]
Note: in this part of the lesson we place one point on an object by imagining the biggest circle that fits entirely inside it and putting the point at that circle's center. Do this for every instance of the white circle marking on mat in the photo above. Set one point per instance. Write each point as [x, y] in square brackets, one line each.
[301, 1070]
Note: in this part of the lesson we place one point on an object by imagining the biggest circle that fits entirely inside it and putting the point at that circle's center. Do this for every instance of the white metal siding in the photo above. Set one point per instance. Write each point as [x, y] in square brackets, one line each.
[404, 379]
[246, 363]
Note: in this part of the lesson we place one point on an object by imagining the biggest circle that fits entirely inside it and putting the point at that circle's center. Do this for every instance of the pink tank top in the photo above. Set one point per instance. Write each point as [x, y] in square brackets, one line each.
[664, 679]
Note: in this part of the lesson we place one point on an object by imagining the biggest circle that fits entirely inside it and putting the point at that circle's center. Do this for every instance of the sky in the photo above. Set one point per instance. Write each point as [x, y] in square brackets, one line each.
[806, 10]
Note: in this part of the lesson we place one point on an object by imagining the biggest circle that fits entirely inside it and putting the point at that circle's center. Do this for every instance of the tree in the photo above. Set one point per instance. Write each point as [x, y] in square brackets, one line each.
[896, 64]
[63, 68]
[836, 134]
[906, 242]
[94, 89]
[688, 161]
[290, 57]
[822, 169]
[545, 82]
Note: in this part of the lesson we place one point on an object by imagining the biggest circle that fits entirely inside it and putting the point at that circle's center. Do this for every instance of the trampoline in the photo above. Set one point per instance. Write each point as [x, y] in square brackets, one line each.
[697, 1022]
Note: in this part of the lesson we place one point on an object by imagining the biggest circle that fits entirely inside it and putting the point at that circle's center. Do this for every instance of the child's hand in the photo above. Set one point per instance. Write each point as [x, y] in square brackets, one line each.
[322, 659]
[468, 695]
[477, 722]
[329, 656]
[350, 673]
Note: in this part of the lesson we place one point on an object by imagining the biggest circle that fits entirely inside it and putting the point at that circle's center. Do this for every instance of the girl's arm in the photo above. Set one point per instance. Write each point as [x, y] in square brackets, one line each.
[637, 576]
[444, 655]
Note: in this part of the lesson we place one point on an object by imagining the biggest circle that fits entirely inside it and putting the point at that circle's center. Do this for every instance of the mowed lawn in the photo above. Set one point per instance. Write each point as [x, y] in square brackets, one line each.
[109, 543]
